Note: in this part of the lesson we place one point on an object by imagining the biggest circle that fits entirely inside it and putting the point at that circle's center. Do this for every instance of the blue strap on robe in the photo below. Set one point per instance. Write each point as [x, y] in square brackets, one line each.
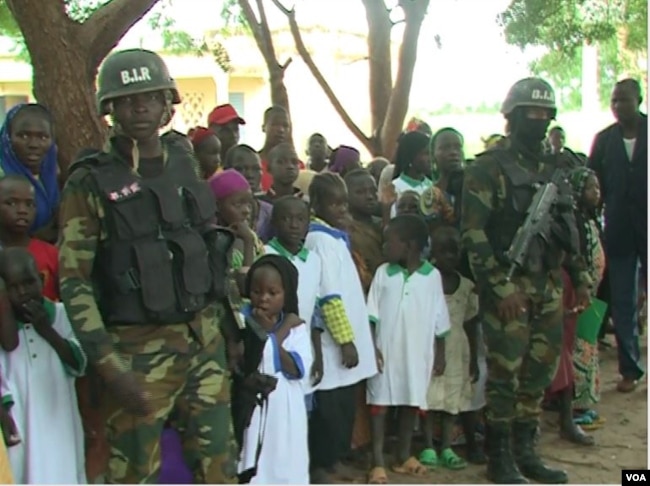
[47, 189]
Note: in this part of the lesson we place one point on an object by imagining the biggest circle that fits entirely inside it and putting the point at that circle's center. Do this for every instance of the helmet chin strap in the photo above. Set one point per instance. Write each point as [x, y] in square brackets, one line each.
[168, 111]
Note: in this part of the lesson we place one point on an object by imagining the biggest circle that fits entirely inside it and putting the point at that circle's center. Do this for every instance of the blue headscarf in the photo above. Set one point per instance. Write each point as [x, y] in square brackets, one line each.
[47, 189]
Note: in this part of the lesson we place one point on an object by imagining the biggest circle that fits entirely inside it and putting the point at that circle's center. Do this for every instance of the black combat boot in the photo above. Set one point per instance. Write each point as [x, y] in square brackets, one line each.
[527, 459]
[501, 466]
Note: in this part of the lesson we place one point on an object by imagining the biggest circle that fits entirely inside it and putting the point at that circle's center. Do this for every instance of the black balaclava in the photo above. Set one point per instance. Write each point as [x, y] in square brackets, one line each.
[529, 132]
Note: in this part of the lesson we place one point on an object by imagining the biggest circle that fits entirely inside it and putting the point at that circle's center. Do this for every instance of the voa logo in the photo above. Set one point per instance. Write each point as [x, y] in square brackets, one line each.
[634, 477]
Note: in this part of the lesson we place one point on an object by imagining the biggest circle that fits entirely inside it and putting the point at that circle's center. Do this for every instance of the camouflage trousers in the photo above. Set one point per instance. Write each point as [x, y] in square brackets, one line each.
[195, 389]
[522, 359]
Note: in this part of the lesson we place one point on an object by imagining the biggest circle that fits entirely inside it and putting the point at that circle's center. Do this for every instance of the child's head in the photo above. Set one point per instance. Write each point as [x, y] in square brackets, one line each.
[556, 139]
[272, 285]
[447, 151]
[284, 164]
[586, 187]
[362, 192]
[412, 156]
[233, 195]
[376, 166]
[22, 278]
[276, 125]
[317, 148]
[30, 132]
[446, 248]
[328, 197]
[408, 203]
[245, 160]
[207, 149]
[17, 205]
[405, 237]
[290, 221]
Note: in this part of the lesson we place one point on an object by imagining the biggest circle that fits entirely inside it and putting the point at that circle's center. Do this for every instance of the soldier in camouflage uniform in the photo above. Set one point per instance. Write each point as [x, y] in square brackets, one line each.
[523, 318]
[142, 275]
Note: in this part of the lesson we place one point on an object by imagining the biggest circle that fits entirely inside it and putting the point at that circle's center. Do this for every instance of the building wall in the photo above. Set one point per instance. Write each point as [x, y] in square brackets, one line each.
[199, 96]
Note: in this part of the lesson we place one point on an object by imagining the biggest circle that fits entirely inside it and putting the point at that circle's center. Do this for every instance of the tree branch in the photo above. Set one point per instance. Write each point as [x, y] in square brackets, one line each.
[36, 18]
[258, 33]
[108, 24]
[320, 79]
[266, 34]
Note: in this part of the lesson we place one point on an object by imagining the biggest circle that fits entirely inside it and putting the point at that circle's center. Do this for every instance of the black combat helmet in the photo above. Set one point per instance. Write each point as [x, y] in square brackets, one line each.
[530, 92]
[132, 71]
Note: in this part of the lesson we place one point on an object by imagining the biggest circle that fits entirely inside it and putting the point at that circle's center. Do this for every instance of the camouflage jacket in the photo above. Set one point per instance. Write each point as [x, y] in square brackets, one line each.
[83, 227]
[484, 193]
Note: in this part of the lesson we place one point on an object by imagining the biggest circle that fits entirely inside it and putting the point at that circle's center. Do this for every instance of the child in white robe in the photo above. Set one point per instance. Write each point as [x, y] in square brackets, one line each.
[38, 380]
[274, 449]
[348, 350]
[290, 222]
[407, 307]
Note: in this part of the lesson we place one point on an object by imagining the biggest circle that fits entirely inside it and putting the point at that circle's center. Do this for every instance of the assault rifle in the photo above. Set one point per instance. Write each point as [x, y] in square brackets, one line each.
[537, 223]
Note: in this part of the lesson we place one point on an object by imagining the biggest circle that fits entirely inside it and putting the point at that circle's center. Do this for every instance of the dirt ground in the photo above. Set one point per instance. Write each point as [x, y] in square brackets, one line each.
[621, 444]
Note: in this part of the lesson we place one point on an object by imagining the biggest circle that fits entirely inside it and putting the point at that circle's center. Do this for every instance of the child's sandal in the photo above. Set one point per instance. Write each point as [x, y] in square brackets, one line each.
[450, 460]
[429, 458]
[411, 467]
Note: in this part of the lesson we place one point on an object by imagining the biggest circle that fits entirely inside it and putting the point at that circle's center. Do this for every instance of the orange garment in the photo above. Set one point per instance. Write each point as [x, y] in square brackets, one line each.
[361, 431]
[5, 469]
[367, 254]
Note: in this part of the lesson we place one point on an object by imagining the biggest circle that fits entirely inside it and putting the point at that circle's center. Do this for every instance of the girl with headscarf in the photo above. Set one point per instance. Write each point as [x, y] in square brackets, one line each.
[344, 159]
[576, 383]
[28, 149]
[586, 393]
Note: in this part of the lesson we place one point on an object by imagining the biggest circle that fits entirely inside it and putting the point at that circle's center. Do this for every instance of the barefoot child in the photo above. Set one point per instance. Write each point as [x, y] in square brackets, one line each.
[40, 375]
[290, 221]
[348, 350]
[275, 443]
[451, 393]
[409, 315]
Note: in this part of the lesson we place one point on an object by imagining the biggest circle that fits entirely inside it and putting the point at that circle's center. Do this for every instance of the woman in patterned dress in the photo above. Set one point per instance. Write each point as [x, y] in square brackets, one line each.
[585, 355]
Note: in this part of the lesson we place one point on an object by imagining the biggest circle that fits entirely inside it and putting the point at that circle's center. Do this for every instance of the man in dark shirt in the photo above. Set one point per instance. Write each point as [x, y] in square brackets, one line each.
[619, 157]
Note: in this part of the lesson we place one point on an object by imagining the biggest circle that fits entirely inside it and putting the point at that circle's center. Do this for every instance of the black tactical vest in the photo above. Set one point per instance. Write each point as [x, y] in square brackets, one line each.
[521, 186]
[163, 260]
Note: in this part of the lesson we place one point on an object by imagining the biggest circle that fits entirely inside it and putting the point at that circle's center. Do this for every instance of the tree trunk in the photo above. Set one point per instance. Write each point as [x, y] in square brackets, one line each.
[70, 96]
[65, 57]
[380, 66]
[320, 79]
[264, 40]
[415, 11]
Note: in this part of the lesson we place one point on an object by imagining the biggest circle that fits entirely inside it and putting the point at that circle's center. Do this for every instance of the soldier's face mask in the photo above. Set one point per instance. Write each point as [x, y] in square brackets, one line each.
[528, 128]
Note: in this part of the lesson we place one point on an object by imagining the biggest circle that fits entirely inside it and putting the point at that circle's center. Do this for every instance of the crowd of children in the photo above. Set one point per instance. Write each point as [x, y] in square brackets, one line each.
[355, 277]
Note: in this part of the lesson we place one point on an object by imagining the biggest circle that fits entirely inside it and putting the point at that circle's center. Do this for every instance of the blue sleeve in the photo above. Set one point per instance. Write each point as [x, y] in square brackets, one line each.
[277, 363]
